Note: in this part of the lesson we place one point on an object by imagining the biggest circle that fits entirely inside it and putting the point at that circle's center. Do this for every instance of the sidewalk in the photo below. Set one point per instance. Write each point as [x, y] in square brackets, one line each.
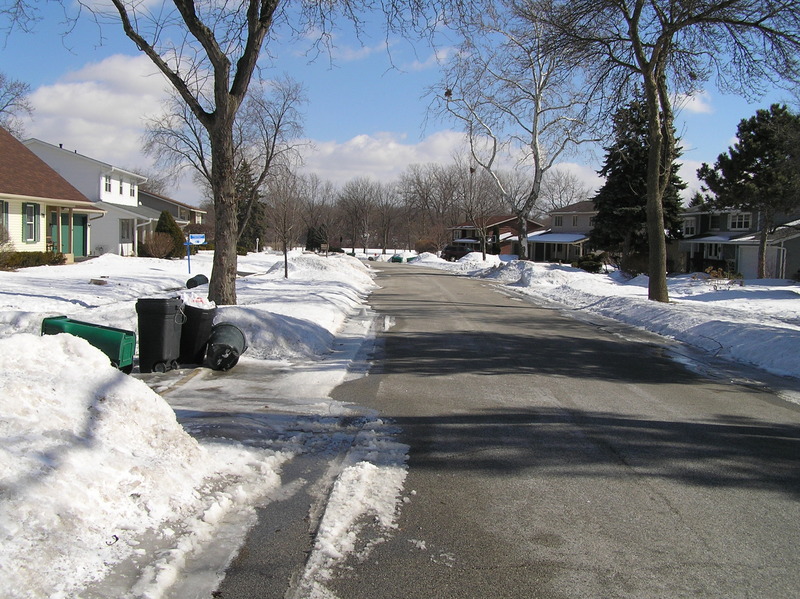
[285, 407]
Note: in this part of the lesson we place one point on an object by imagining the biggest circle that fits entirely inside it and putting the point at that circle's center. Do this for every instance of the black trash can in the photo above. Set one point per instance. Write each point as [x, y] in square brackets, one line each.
[196, 281]
[195, 333]
[160, 321]
[225, 345]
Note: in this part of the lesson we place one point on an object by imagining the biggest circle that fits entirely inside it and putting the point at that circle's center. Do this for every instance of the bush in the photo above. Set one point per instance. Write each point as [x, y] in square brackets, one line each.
[158, 245]
[635, 265]
[591, 264]
[14, 260]
[167, 224]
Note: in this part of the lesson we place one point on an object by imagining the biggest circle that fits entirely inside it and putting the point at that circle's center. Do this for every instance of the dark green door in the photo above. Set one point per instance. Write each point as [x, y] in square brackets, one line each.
[79, 227]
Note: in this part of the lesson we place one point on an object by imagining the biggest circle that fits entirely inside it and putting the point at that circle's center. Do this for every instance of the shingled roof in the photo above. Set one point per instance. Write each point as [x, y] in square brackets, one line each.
[23, 173]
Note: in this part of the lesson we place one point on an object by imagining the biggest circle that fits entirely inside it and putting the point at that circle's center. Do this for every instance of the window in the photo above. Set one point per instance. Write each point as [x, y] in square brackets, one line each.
[689, 226]
[120, 186]
[574, 221]
[713, 251]
[3, 220]
[715, 222]
[126, 230]
[133, 190]
[740, 221]
[30, 223]
[558, 221]
[107, 183]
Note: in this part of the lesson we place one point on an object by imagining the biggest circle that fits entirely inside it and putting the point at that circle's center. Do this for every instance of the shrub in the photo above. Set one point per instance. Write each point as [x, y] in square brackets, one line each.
[589, 263]
[14, 260]
[167, 224]
[158, 245]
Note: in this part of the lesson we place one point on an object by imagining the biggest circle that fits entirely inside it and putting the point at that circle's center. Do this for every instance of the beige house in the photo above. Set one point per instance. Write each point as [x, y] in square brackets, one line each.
[39, 209]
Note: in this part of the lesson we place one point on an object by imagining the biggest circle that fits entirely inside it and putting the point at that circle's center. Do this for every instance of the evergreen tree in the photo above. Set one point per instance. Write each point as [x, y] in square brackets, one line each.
[166, 224]
[620, 224]
[316, 237]
[761, 172]
[252, 213]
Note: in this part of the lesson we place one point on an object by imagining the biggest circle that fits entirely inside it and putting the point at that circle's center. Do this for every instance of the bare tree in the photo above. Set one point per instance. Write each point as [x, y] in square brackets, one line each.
[14, 103]
[357, 201]
[285, 206]
[560, 188]
[480, 199]
[266, 136]
[431, 191]
[665, 47]
[519, 100]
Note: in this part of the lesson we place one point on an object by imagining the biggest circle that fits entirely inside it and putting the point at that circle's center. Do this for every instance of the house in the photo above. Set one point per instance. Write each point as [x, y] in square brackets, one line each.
[729, 239]
[182, 213]
[112, 189]
[502, 234]
[568, 235]
[40, 210]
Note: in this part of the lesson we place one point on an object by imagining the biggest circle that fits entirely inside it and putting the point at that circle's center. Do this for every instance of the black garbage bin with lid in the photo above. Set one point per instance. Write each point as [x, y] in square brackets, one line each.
[196, 281]
[225, 345]
[195, 333]
[160, 321]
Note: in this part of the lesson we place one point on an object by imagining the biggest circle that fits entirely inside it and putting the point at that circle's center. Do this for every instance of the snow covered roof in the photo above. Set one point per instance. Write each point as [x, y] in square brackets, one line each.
[538, 237]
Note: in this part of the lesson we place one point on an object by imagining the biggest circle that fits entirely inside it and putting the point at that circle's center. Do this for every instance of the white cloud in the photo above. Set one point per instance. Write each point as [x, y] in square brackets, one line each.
[381, 156]
[696, 103]
[99, 110]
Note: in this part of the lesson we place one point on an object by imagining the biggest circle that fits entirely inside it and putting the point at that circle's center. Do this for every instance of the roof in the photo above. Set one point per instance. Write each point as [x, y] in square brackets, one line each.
[104, 166]
[23, 173]
[170, 200]
[546, 237]
[493, 221]
[586, 206]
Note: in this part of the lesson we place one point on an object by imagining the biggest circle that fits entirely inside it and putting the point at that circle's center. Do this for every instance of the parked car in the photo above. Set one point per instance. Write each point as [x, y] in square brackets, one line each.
[454, 252]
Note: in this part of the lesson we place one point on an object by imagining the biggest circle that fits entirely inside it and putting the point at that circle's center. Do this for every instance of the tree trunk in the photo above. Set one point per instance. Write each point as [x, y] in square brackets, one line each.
[523, 236]
[657, 244]
[222, 287]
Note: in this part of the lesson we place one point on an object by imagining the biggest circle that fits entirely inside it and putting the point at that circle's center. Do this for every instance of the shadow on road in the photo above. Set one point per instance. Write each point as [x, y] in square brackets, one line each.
[724, 452]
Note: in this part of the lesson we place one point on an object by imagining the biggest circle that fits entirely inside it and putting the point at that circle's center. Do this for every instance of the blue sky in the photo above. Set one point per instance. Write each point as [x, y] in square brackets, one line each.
[366, 111]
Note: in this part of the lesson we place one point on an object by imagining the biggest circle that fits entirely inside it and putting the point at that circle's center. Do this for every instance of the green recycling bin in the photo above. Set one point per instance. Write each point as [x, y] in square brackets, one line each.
[118, 344]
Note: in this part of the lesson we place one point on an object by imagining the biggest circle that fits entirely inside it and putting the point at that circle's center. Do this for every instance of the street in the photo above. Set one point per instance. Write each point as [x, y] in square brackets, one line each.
[556, 458]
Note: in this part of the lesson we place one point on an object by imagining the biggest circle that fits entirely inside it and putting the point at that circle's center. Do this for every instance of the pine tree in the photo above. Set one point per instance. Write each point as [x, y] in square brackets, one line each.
[251, 211]
[166, 224]
[761, 172]
[620, 225]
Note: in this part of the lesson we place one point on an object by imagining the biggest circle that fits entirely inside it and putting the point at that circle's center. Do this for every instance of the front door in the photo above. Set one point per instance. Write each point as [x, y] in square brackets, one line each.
[80, 226]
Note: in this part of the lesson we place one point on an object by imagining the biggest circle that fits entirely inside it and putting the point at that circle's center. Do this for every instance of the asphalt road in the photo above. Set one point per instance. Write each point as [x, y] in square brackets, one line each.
[558, 459]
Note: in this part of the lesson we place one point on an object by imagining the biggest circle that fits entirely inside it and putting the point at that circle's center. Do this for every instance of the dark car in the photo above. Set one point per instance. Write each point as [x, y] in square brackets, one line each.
[454, 252]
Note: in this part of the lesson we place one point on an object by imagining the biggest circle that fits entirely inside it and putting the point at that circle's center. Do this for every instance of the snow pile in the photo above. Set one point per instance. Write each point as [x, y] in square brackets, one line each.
[91, 459]
[756, 323]
[367, 490]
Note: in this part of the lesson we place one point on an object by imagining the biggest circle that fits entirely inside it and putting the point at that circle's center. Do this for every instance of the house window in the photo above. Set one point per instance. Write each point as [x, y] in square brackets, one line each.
[3, 220]
[126, 231]
[740, 221]
[689, 226]
[558, 221]
[107, 183]
[120, 186]
[713, 251]
[133, 190]
[715, 222]
[30, 223]
[574, 221]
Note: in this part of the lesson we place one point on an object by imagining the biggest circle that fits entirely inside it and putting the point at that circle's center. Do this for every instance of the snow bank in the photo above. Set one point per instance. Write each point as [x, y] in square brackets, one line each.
[757, 323]
[91, 459]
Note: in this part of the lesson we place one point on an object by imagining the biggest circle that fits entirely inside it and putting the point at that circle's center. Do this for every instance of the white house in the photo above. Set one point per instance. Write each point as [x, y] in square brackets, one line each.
[114, 190]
